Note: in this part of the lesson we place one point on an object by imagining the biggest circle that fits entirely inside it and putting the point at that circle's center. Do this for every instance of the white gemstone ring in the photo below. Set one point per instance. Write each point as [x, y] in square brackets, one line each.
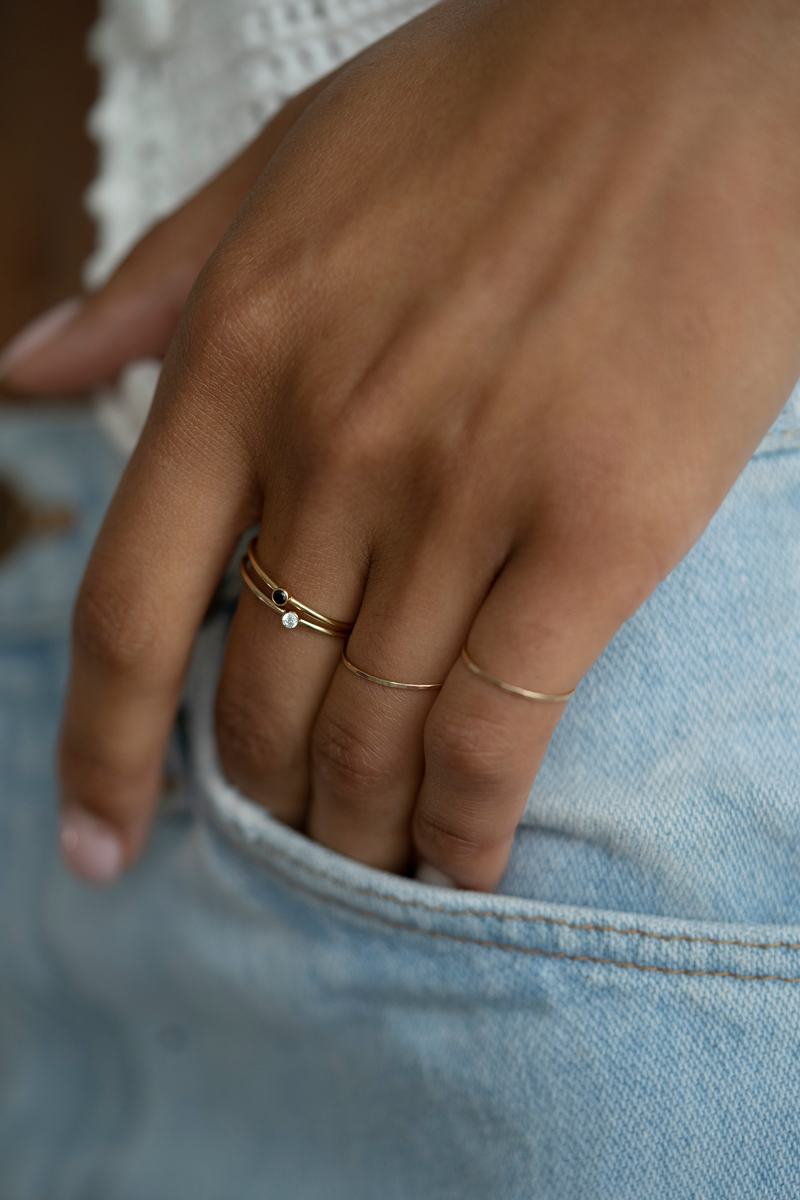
[293, 613]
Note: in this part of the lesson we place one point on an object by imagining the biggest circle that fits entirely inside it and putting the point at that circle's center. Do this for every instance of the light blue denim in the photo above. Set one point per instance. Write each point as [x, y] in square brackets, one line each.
[247, 1015]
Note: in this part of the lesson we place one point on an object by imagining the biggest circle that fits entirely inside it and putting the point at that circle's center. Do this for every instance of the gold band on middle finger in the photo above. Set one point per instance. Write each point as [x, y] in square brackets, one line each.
[390, 683]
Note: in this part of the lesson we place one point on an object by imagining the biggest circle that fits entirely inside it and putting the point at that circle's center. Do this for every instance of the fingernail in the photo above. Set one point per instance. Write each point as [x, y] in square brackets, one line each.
[38, 332]
[91, 847]
[426, 873]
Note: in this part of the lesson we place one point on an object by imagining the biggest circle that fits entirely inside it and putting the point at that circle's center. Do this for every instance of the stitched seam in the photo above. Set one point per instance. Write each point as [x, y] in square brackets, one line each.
[552, 921]
[535, 952]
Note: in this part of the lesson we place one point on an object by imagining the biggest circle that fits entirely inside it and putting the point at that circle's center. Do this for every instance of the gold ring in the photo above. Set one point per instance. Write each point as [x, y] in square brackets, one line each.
[546, 697]
[293, 613]
[390, 683]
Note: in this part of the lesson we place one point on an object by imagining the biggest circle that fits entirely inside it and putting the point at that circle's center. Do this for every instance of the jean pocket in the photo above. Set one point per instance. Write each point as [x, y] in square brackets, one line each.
[443, 1043]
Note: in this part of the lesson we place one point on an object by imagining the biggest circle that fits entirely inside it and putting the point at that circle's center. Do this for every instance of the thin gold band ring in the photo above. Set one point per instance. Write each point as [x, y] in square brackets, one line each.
[545, 697]
[390, 683]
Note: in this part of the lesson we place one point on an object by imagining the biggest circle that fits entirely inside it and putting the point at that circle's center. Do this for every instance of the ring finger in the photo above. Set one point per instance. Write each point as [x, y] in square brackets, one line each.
[277, 668]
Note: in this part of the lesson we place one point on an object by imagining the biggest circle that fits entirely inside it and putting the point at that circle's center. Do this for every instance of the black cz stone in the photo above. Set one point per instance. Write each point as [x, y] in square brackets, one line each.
[280, 596]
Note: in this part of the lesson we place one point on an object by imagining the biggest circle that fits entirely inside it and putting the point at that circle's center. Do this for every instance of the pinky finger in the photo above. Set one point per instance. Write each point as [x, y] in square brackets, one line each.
[481, 756]
[539, 629]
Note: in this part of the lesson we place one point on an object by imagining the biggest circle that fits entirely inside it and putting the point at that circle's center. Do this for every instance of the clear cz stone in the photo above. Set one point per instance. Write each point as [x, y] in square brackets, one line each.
[290, 620]
[280, 596]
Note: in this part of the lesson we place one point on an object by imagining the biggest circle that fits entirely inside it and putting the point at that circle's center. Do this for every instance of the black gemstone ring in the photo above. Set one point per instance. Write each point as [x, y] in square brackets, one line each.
[293, 613]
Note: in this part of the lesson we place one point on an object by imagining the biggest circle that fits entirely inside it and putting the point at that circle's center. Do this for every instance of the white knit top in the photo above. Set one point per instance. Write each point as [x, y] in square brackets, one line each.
[187, 83]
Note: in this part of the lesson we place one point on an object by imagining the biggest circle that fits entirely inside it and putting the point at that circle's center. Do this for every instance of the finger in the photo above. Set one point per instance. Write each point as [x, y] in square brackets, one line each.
[164, 545]
[71, 349]
[367, 744]
[274, 678]
[86, 342]
[545, 621]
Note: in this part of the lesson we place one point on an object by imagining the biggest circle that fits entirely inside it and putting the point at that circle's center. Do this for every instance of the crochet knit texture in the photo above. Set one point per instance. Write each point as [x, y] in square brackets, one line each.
[186, 84]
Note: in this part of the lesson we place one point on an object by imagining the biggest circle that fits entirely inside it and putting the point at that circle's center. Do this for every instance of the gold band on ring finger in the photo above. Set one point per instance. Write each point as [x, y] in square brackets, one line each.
[292, 612]
[281, 598]
[389, 683]
[544, 697]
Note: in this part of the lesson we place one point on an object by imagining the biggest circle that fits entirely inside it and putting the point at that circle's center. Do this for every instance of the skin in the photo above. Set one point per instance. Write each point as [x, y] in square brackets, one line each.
[491, 338]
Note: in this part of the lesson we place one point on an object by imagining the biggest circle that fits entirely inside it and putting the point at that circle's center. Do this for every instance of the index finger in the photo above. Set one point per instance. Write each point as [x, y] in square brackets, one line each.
[165, 543]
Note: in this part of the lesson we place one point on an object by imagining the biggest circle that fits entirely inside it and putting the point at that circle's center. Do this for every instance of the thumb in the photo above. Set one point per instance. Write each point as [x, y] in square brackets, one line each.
[84, 342]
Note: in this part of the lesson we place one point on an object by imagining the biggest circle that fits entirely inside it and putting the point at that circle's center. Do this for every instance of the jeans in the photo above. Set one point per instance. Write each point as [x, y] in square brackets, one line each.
[249, 1015]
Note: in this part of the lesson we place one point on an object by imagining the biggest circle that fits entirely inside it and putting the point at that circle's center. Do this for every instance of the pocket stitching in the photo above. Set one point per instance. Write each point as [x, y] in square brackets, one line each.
[536, 952]
[540, 920]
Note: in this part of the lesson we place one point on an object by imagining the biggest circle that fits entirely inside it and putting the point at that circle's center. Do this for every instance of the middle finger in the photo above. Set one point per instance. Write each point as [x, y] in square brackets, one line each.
[367, 746]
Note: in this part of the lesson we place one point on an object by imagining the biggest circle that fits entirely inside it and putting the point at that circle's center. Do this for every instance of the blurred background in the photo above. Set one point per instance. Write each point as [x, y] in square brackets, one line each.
[47, 86]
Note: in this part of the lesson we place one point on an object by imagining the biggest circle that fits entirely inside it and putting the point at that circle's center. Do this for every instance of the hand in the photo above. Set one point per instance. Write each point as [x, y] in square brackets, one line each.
[488, 344]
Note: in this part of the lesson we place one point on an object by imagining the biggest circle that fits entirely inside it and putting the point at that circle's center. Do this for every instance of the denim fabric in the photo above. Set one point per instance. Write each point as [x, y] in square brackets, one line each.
[247, 1015]
[672, 784]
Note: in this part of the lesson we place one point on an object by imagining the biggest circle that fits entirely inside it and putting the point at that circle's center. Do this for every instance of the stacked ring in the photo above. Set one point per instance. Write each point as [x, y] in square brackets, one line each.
[293, 613]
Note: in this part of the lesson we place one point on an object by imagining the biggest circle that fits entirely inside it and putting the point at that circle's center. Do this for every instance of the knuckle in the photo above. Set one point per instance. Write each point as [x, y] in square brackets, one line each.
[205, 329]
[234, 320]
[223, 303]
[345, 433]
[322, 453]
[111, 630]
[346, 764]
[471, 749]
[446, 838]
[249, 740]
[337, 443]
